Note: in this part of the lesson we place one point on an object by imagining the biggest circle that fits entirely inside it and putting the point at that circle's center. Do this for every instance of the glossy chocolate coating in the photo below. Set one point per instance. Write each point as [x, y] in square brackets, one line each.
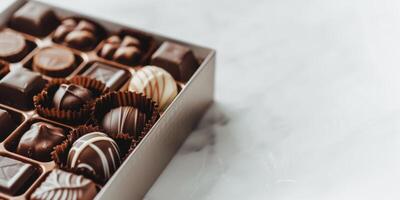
[54, 61]
[95, 152]
[78, 34]
[12, 46]
[111, 76]
[155, 83]
[19, 86]
[34, 19]
[71, 97]
[4, 68]
[39, 140]
[63, 185]
[125, 119]
[126, 51]
[6, 123]
[178, 60]
[14, 174]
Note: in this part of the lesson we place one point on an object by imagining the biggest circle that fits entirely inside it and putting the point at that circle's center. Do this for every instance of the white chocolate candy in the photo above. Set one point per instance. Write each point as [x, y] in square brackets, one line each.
[155, 83]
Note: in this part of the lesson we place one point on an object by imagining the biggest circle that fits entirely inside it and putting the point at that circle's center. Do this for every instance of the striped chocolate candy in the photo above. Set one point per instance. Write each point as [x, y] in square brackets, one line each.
[155, 83]
[97, 153]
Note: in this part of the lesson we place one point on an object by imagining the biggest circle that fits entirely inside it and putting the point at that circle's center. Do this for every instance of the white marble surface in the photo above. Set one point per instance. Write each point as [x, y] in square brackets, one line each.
[307, 97]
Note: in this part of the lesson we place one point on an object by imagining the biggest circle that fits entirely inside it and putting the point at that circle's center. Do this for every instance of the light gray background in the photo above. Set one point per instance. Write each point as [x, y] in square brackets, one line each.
[308, 97]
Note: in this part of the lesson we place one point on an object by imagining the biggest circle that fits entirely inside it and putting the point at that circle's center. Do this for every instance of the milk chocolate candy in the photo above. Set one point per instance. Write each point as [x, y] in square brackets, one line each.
[19, 86]
[63, 185]
[177, 59]
[39, 140]
[13, 47]
[78, 33]
[111, 76]
[14, 174]
[54, 61]
[35, 19]
[125, 51]
[155, 83]
[124, 119]
[71, 96]
[6, 123]
[95, 152]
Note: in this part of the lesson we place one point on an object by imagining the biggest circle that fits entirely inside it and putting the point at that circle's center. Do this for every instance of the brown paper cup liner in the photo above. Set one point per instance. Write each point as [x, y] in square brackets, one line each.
[125, 98]
[60, 153]
[4, 68]
[44, 100]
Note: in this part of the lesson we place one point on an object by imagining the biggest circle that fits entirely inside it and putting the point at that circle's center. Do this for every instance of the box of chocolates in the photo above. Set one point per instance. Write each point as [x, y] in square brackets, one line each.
[91, 109]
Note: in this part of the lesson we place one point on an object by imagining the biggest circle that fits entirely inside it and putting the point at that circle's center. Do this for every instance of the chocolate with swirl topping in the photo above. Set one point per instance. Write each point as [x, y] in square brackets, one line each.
[64, 186]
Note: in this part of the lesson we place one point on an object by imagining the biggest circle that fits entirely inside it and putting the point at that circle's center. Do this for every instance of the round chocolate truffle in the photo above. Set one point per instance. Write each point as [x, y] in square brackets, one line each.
[95, 152]
[125, 119]
[54, 61]
[39, 140]
[155, 83]
[71, 96]
[12, 46]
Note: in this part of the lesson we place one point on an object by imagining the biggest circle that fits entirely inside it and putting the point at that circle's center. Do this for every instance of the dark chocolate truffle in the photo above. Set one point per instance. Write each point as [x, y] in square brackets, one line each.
[95, 152]
[126, 51]
[19, 86]
[78, 34]
[125, 119]
[14, 174]
[54, 61]
[63, 185]
[178, 60]
[111, 76]
[34, 19]
[6, 123]
[71, 97]
[39, 140]
[12, 46]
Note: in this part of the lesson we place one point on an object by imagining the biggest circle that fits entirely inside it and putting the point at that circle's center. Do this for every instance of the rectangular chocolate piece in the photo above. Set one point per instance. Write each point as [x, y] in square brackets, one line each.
[111, 76]
[178, 60]
[19, 86]
[14, 174]
[34, 19]
[6, 124]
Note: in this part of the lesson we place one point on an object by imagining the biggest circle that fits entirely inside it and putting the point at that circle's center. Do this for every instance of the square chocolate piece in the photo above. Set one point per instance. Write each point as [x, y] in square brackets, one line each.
[178, 60]
[111, 76]
[14, 174]
[35, 19]
[19, 86]
[64, 184]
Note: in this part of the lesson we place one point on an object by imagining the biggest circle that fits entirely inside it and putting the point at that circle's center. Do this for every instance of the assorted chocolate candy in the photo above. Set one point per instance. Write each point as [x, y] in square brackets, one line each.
[76, 98]
[38, 142]
[64, 185]
[113, 77]
[34, 19]
[19, 86]
[14, 174]
[78, 33]
[155, 83]
[54, 61]
[95, 152]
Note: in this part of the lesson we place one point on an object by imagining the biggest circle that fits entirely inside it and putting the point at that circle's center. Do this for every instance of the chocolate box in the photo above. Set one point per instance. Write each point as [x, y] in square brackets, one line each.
[143, 166]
